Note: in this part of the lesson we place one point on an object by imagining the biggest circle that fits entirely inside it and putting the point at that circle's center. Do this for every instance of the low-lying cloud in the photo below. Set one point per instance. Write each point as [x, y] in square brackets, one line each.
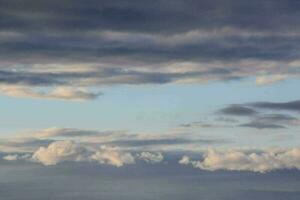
[241, 160]
[69, 151]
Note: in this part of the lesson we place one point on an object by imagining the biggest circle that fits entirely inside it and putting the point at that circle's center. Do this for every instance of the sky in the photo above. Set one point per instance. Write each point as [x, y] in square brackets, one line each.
[152, 95]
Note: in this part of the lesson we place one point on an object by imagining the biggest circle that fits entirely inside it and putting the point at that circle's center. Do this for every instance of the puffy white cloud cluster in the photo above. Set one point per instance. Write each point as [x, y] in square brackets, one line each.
[60, 151]
[112, 157]
[265, 161]
[65, 150]
[150, 157]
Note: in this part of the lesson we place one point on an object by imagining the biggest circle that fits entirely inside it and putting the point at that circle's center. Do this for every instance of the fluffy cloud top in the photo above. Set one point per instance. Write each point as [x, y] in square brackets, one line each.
[247, 161]
[60, 151]
[112, 157]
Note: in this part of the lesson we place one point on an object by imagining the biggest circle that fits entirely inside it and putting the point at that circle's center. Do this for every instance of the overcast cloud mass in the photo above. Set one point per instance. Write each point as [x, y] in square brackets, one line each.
[52, 44]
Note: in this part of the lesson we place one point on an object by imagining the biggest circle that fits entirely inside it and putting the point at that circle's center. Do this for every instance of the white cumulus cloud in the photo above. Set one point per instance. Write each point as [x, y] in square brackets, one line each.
[240, 160]
[60, 151]
[112, 157]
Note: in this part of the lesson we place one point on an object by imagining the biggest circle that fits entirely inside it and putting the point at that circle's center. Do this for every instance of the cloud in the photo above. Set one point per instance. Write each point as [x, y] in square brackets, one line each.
[267, 80]
[238, 110]
[272, 121]
[240, 160]
[287, 106]
[149, 157]
[141, 16]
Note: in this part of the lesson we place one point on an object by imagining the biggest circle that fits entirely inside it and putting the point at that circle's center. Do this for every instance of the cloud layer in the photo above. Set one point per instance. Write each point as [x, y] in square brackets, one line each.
[46, 46]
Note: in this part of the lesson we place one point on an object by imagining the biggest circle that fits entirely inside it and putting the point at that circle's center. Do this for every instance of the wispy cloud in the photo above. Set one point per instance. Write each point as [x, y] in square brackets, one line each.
[272, 121]
[238, 110]
[61, 93]
[180, 139]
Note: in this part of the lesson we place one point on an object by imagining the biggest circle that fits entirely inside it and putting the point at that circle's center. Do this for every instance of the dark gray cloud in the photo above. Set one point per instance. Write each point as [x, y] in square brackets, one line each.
[238, 110]
[105, 76]
[259, 119]
[144, 16]
[288, 106]
[272, 121]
